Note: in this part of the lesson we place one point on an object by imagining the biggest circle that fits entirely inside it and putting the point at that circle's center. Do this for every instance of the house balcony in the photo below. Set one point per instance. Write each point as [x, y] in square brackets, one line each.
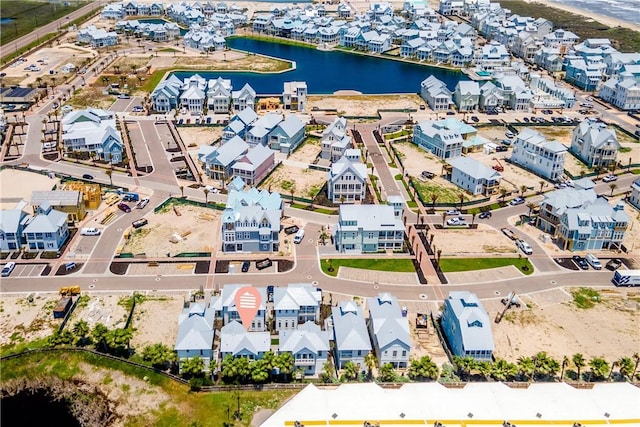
[304, 362]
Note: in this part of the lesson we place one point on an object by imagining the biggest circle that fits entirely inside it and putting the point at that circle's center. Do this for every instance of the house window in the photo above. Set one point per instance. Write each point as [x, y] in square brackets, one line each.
[395, 353]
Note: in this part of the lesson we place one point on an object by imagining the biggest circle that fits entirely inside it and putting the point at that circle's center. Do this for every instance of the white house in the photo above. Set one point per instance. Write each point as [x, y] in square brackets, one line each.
[368, 228]
[294, 96]
[296, 304]
[236, 341]
[335, 140]
[474, 177]
[219, 95]
[436, 93]
[92, 131]
[350, 336]
[389, 331]
[347, 181]
[634, 197]
[192, 99]
[532, 151]
[244, 98]
[97, 37]
[595, 144]
[467, 95]
[225, 308]
[438, 138]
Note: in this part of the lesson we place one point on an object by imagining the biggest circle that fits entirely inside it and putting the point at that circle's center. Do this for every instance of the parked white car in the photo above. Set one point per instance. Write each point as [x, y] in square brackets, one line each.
[609, 178]
[524, 247]
[456, 221]
[453, 212]
[90, 231]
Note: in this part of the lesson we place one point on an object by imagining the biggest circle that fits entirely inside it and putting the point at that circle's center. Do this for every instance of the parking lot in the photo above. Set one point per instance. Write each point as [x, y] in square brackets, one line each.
[126, 105]
[138, 143]
[28, 270]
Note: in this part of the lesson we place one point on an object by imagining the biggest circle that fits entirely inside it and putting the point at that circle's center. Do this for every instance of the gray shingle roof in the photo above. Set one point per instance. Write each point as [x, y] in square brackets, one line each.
[349, 327]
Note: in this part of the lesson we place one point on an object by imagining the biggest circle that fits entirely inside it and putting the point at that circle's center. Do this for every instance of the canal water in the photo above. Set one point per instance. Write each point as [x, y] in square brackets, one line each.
[328, 71]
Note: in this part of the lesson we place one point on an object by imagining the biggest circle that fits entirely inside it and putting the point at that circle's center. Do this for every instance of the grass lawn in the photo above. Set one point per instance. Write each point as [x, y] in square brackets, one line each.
[202, 409]
[454, 265]
[29, 15]
[399, 265]
[445, 195]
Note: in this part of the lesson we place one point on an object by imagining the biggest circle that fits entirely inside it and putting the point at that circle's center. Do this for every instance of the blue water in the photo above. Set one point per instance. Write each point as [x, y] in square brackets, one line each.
[625, 10]
[5, 20]
[327, 72]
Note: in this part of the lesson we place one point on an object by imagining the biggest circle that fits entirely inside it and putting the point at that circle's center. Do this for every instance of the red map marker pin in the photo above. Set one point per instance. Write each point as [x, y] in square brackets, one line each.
[247, 301]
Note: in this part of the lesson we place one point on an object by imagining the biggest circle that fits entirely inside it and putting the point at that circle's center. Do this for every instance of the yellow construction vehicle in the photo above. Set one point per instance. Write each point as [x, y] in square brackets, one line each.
[70, 291]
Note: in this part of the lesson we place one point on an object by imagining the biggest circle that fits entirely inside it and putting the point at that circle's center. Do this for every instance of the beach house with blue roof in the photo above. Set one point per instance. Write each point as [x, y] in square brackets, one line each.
[239, 124]
[593, 226]
[473, 176]
[92, 130]
[438, 139]
[196, 333]
[236, 341]
[166, 96]
[225, 308]
[350, 336]
[296, 304]
[254, 166]
[261, 128]
[389, 330]
[244, 98]
[532, 151]
[47, 231]
[289, 133]
[309, 346]
[12, 223]
[467, 327]
[219, 160]
[251, 221]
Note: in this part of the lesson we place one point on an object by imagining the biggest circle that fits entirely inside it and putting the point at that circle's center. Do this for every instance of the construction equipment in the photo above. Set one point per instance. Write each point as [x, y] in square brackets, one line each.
[70, 291]
[498, 166]
[508, 303]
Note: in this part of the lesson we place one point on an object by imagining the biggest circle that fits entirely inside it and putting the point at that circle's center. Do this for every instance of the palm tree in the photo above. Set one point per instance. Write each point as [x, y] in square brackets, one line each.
[370, 362]
[565, 362]
[351, 370]
[599, 368]
[464, 365]
[503, 193]
[461, 197]
[323, 236]
[625, 365]
[474, 213]
[284, 361]
[81, 331]
[578, 362]
[182, 191]
[434, 198]
[523, 189]
[612, 186]
[387, 373]
[423, 369]
[444, 218]
[109, 173]
[530, 205]
[292, 190]
[206, 195]
[636, 361]
[614, 364]
[526, 367]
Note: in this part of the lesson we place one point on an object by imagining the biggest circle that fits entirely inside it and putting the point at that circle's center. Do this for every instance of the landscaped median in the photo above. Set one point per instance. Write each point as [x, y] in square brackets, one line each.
[455, 265]
[400, 265]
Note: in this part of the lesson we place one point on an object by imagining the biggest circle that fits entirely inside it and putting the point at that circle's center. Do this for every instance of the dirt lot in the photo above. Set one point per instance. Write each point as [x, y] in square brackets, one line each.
[305, 182]
[364, 105]
[21, 320]
[156, 320]
[308, 151]
[106, 309]
[194, 230]
[483, 240]
[513, 176]
[555, 325]
[11, 194]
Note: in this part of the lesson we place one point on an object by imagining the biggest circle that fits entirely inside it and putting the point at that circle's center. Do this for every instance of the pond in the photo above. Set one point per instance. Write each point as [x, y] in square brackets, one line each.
[326, 72]
[5, 20]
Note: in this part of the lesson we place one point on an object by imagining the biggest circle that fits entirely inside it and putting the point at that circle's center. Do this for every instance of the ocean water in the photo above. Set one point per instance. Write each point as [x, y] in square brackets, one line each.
[625, 10]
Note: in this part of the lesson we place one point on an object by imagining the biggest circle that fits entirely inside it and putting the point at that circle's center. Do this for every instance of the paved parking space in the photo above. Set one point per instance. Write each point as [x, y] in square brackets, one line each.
[28, 270]
[163, 269]
[139, 144]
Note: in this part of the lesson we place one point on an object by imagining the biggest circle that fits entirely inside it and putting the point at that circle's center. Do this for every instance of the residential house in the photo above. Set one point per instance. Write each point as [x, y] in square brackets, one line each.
[368, 228]
[113, 11]
[467, 327]
[335, 140]
[634, 196]
[12, 222]
[236, 341]
[239, 124]
[350, 336]
[97, 37]
[560, 39]
[451, 7]
[251, 221]
[192, 99]
[438, 139]
[436, 93]
[288, 135]
[555, 203]
[196, 333]
[47, 230]
[258, 133]
[466, 95]
[219, 95]
[549, 94]
[70, 202]
[244, 98]
[165, 97]
[514, 92]
[549, 58]
[294, 96]
[595, 226]
[309, 346]
[474, 177]
[545, 158]
[623, 91]
[295, 305]
[225, 308]
[397, 203]
[492, 55]
[389, 331]
[595, 144]
[92, 131]
[219, 161]
[255, 165]
[585, 74]
[347, 181]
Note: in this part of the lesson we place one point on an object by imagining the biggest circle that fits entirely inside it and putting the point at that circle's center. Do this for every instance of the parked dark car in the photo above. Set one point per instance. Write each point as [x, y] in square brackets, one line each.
[291, 230]
[87, 176]
[263, 263]
[475, 119]
[502, 148]
[124, 207]
[427, 175]
[139, 222]
[580, 262]
[485, 215]
[613, 264]
[245, 266]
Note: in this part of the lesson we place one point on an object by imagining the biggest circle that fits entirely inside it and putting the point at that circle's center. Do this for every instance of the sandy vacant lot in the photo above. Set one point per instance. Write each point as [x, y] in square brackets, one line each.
[10, 193]
[483, 240]
[307, 152]
[555, 325]
[513, 176]
[156, 320]
[21, 320]
[364, 105]
[304, 182]
[193, 228]
[105, 309]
